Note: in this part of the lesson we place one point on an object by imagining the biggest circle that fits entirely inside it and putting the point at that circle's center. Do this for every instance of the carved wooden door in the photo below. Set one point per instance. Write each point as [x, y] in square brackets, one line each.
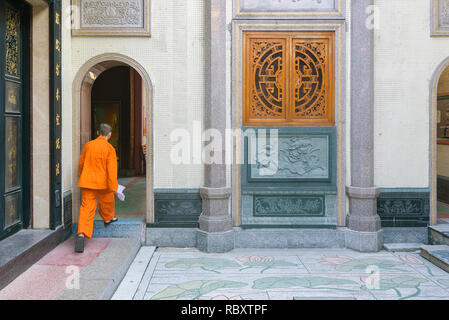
[288, 79]
[13, 118]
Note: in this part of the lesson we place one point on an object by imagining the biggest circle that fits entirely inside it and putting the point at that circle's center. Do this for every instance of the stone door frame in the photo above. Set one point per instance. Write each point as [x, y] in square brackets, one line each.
[82, 82]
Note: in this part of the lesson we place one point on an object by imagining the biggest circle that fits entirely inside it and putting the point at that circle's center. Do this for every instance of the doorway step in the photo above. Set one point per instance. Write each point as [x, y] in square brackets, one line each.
[438, 255]
[63, 274]
[438, 251]
[119, 229]
[403, 247]
[439, 234]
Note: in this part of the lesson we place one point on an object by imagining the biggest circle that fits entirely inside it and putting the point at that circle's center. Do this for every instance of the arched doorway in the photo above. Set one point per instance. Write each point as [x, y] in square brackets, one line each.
[115, 89]
[439, 144]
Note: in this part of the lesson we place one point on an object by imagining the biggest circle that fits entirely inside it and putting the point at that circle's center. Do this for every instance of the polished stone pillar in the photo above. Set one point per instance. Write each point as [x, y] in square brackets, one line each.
[363, 222]
[215, 232]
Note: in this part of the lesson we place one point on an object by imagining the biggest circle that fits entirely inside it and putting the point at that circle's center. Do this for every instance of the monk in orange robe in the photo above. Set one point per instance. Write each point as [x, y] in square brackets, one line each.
[98, 181]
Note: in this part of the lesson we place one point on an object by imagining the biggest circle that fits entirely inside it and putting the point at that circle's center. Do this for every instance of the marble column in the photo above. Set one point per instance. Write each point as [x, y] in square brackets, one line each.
[363, 222]
[215, 232]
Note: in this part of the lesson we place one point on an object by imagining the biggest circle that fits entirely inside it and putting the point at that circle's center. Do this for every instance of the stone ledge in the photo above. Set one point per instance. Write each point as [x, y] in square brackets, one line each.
[119, 229]
[402, 247]
[100, 279]
[23, 249]
[438, 255]
[364, 241]
[406, 235]
[439, 234]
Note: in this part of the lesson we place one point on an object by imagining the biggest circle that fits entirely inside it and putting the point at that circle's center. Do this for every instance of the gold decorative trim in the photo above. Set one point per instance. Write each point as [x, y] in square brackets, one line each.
[12, 39]
[340, 165]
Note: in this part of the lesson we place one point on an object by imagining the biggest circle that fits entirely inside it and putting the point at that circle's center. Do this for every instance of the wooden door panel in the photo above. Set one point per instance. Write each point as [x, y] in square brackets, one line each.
[266, 80]
[288, 79]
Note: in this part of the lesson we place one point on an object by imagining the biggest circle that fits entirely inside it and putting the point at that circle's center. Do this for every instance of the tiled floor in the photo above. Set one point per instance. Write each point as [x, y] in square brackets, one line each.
[291, 273]
[443, 210]
[134, 206]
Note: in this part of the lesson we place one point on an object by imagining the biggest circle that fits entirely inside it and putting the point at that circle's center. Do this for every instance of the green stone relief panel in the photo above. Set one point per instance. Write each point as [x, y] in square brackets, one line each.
[404, 207]
[289, 181]
[288, 206]
[291, 157]
[268, 209]
[177, 207]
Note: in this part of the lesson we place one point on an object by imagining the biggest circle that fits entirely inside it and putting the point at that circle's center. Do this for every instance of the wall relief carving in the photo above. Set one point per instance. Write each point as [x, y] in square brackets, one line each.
[439, 17]
[288, 206]
[289, 8]
[293, 158]
[111, 17]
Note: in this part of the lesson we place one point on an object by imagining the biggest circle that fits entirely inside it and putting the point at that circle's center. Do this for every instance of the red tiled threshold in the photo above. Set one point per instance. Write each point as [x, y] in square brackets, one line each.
[47, 279]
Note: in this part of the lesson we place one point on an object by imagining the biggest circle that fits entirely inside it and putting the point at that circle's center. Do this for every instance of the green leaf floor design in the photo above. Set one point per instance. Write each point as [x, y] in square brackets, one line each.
[303, 282]
[207, 264]
[400, 282]
[195, 289]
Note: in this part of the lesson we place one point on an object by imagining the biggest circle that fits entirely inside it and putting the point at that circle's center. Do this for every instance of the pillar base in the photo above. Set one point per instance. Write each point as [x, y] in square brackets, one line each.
[364, 241]
[215, 216]
[217, 242]
[363, 215]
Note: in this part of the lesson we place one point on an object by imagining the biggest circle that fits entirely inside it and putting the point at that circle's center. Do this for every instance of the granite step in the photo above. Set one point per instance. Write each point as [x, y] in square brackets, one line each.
[438, 255]
[21, 250]
[439, 234]
[63, 274]
[100, 279]
[119, 229]
[403, 247]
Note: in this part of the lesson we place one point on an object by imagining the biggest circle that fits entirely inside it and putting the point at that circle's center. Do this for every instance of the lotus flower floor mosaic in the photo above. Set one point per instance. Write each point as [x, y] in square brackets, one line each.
[248, 274]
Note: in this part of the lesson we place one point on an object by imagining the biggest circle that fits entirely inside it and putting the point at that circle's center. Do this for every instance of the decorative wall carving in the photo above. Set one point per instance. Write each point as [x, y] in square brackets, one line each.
[403, 208]
[112, 17]
[288, 79]
[439, 17]
[12, 148]
[399, 206]
[177, 207]
[282, 8]
[288, 206]
[295, 157]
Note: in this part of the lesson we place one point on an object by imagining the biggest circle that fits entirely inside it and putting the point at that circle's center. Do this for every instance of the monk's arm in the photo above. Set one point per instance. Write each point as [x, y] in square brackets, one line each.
[112, 170]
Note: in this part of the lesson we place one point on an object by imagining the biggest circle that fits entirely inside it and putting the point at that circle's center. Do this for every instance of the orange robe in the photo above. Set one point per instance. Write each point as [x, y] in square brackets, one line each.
[98, 181]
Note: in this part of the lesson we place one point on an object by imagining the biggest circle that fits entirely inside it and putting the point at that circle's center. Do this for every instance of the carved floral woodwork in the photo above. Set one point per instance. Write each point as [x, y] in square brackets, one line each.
[288, 79]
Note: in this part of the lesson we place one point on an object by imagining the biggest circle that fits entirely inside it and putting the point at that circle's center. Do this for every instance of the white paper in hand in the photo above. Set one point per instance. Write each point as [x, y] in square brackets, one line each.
[119, 192]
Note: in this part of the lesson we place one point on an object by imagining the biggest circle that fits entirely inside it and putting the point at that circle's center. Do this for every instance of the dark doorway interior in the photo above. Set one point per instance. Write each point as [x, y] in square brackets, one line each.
[117, 100]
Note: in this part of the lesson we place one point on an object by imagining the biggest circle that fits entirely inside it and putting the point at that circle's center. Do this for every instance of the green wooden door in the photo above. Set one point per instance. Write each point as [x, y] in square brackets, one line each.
[14, 117]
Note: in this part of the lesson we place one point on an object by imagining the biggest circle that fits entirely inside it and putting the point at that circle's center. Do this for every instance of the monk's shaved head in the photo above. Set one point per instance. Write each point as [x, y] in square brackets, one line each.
[104, 129]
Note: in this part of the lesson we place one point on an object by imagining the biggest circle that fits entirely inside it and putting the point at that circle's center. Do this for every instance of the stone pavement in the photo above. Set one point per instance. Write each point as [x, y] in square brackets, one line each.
[266, 274]
[63, 274]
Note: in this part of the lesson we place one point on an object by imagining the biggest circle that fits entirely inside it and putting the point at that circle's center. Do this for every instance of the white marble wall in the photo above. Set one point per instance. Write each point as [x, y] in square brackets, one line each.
[405, 59]
[174, 59]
